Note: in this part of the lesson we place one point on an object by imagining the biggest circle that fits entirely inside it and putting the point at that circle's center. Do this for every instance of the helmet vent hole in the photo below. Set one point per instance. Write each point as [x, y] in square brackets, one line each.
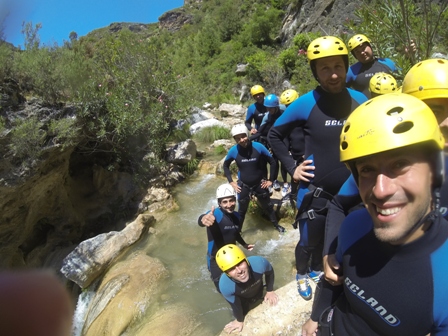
[420, 88]
[395, 111]
[344, 145]
[346, 128]
[403, 127]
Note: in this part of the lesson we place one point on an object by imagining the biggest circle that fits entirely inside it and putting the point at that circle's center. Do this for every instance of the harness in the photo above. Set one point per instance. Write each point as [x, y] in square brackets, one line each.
[306, 210]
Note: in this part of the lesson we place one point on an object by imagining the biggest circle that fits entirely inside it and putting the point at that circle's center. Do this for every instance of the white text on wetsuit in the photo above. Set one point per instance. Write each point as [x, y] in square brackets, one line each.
[372, 302]
[334, 122]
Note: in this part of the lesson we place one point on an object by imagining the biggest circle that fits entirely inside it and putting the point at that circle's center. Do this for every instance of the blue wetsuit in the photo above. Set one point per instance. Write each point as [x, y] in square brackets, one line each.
[388, 289]
[359, 74]
[251, 162]
[321, 115]
[225, 230]
[255, 114]
[241, 296]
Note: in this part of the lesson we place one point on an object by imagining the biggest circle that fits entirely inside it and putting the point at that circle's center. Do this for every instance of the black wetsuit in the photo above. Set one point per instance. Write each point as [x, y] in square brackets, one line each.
[255, 114]
[251, 162]
[321, 116]
[241, 296]
[225, 230]
[388, 289]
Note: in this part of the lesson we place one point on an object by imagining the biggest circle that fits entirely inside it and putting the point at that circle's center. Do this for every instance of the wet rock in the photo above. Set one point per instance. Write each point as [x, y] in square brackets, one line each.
[126, 293]
[286, 318]
[173, 320]
[182, 153]
[196, 127]
[232, 110]
[93, 256]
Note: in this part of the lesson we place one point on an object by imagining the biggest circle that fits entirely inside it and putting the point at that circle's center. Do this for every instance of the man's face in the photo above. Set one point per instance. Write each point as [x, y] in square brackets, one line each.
[259, 98]
[272, 110]
[240, 272]
[440, 108]
[363, 53]
[331, 73]
[242, 139]
[395, 187]
[228, 204]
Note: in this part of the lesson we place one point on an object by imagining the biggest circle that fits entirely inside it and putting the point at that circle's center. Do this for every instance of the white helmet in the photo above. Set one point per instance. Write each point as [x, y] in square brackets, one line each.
[239, 129]
[225, 190]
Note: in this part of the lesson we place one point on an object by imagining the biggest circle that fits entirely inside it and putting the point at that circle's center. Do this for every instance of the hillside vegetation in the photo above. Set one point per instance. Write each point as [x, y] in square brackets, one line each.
[128, 87]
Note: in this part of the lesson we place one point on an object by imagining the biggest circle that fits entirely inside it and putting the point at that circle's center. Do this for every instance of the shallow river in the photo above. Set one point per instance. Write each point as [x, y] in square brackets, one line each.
[181, 245]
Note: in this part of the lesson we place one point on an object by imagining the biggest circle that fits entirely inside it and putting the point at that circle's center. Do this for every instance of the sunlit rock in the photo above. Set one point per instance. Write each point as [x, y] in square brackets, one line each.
[91, 257]
[127, 292]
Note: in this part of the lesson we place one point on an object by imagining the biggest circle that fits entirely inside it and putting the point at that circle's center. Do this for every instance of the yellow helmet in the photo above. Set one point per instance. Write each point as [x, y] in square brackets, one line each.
[288, 96]
[256, 89]
[388, 122]
[383, 83]
[427, 79]
[229, 256]
[357, 40]
[326, 46]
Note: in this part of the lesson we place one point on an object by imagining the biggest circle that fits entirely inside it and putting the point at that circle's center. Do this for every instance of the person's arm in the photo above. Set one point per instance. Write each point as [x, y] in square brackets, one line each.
[249, 117]
[227, 161]
[347, 198]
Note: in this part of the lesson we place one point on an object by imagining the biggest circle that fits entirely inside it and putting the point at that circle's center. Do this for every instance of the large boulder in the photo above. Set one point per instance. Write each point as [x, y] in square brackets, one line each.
[182, 153]
[91, 258]
[207, 123]
[125, 293]
[285, 318]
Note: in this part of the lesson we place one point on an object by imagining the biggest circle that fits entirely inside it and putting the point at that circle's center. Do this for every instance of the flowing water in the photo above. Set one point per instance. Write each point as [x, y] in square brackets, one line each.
[181, 245]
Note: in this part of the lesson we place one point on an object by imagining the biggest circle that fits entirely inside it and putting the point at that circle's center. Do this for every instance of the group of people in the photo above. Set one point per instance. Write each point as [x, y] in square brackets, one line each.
[367, 159]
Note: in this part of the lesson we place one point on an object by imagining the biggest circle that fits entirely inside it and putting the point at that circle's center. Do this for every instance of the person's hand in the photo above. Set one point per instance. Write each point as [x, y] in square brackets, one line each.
[235, 186]
[249, 247]
[208, 219]
[265, 184]
[309, 328]
[253, 131]
[271, 298]
[331, 266]
[234, 326]
[301, 173]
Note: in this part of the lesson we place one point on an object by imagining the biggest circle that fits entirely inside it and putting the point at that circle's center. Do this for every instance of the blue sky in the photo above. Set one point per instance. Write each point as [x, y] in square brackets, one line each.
[60, 17]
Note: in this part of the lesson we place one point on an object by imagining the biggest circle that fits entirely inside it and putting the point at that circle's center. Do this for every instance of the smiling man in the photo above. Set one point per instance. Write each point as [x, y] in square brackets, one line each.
[321, 114]
[241, 284]
[392, 253]
[223, 227]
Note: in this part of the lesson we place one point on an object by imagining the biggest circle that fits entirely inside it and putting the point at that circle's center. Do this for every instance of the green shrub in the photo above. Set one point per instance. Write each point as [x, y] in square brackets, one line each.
[210, 134]
[191, 166]
[27, 139]
[220, 150]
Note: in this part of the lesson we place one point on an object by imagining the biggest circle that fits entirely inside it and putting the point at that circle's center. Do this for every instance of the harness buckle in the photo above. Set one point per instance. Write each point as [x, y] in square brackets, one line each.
[311, 214]
[317, 192]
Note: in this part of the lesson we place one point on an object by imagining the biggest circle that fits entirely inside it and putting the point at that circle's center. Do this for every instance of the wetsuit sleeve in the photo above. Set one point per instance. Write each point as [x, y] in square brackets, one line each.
[240, 239]
[326, 295]
[249, 116]
[228, 160]
[273, 163]
[227, 289]
[338, 208]
[269, 275]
